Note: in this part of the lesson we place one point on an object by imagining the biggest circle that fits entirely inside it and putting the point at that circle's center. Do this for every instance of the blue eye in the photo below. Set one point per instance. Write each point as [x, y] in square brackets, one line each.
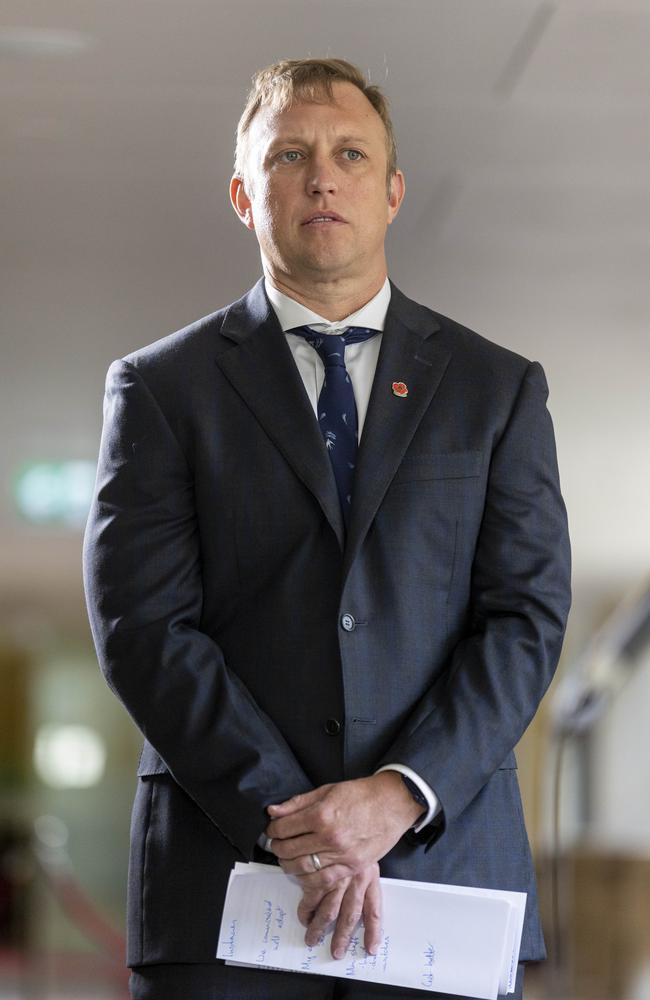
[290, 156]
[354, 155]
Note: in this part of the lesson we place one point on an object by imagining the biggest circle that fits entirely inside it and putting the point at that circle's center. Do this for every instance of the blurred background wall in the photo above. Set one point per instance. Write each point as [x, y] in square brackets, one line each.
[523, 130]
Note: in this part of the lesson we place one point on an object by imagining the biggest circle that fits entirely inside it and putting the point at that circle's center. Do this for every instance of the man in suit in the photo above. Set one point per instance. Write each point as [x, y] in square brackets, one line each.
[326, 565]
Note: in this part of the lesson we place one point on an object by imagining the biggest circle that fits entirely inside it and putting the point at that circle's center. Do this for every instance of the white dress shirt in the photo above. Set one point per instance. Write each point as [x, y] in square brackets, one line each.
[361, 362]
[360, 359]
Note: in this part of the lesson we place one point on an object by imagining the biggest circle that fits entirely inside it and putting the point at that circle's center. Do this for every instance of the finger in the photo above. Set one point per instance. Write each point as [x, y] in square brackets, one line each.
[318, 883]
[304, 865]
[372, 912]
[295, 859]
[349, 916]
[307, 907]
[328, 829]
[316, 887]
[325, 914]
[297, 847]
[296, 824]
[296, 802]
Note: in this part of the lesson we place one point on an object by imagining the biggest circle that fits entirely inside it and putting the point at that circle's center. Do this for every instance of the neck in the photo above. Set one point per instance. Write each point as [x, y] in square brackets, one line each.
[333, 299]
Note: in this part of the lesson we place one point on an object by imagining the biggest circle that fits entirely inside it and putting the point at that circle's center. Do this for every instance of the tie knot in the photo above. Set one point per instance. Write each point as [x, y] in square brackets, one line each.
[356, 334]
[331, 346]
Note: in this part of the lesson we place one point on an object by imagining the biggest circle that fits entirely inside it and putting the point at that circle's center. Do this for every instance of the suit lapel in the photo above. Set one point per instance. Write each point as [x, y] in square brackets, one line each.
[255, 358]
[410, 353]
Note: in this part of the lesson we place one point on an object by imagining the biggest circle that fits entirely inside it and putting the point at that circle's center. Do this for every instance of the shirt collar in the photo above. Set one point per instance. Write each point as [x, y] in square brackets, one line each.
[292, 314]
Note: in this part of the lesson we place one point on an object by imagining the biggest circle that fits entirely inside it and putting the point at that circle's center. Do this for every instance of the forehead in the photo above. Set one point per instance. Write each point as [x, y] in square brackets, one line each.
[349, 111]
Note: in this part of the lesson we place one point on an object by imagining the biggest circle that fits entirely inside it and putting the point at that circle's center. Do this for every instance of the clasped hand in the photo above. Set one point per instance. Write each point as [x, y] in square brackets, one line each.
[349, 826]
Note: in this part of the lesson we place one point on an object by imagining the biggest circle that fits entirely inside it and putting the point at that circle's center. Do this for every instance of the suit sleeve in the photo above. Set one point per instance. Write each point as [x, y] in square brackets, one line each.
[142, 575]
[468, 722]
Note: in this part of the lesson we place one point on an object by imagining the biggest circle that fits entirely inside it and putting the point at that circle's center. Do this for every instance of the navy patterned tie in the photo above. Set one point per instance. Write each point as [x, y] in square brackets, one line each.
[337, 409]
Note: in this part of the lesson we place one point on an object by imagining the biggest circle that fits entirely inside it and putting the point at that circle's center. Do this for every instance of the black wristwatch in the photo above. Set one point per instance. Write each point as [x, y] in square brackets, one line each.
[415, 792]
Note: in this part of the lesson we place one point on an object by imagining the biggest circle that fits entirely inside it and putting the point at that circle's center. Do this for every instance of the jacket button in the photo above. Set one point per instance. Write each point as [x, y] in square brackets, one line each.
[332, 727]
[348, 623]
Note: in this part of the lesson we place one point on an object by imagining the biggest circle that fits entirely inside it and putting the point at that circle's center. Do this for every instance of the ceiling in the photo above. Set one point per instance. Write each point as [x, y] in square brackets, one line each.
[524, 134]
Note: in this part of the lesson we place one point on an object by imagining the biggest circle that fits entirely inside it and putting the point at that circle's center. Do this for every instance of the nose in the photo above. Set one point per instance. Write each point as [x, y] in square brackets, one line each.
[321, 177]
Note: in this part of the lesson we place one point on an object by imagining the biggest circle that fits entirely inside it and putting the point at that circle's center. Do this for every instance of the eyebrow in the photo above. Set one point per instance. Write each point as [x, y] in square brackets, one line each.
[280, 140]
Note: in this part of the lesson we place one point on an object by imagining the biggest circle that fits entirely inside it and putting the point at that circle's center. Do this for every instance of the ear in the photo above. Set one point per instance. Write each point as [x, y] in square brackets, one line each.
[395, 194]
[241, 202]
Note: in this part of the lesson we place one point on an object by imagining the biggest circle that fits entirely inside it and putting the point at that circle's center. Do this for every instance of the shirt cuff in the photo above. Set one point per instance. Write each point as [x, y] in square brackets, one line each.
[427, 791]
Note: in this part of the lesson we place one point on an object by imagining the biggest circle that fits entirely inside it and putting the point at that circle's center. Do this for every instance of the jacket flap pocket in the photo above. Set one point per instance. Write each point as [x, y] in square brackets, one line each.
[151, 762]
[445, 465]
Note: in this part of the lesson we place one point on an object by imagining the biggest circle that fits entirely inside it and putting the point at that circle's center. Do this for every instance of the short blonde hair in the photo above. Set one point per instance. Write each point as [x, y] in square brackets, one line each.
[284, 82]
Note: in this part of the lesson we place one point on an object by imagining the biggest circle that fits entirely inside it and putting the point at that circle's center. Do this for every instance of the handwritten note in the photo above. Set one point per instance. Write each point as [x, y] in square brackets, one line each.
[450, 939]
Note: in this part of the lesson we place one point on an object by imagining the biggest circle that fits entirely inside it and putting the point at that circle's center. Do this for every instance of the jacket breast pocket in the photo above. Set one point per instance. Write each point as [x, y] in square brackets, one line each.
[443, 465]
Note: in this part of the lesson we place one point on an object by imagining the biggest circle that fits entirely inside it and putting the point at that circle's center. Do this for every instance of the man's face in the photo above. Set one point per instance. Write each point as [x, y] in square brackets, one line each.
[316, 190]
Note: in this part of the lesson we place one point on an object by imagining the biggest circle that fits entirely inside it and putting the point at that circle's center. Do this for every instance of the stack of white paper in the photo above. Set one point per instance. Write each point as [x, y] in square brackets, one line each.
[445, 938]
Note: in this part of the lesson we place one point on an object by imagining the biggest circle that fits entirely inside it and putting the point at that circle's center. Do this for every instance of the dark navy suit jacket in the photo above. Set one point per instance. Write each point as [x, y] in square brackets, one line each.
[218, 579]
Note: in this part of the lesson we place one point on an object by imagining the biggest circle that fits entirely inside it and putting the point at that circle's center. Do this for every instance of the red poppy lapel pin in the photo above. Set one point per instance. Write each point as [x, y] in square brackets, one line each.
[400, 389]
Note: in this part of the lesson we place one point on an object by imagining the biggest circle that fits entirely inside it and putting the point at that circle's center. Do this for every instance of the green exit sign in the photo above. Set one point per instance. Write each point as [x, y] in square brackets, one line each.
[56, 493]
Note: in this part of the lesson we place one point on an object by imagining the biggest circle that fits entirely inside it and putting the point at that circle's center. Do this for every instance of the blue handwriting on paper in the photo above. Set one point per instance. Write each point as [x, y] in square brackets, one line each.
[229, 943]
[280, 914]
[429, 962]
[268, 915]
[310, 957]
[384, 952]
[367, 961]
[353, 953]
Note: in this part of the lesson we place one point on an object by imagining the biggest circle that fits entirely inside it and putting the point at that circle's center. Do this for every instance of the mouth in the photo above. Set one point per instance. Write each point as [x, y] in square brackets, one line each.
[323, 219]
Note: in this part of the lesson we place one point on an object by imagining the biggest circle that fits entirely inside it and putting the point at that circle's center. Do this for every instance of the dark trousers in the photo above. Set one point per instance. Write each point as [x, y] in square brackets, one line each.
[226, 982]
